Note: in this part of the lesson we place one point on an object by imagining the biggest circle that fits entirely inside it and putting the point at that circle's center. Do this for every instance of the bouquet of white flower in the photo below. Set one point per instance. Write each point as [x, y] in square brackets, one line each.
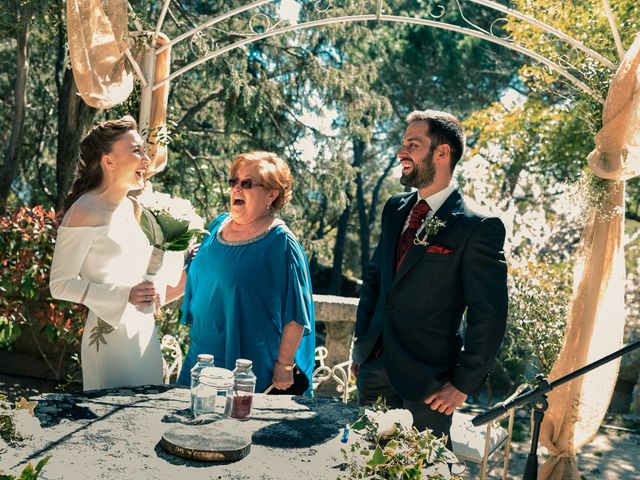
[170, 224]
[396, 450]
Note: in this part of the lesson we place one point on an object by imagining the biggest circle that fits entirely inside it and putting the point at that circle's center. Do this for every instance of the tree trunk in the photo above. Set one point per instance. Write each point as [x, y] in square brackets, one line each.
[375, 195]
[74, 116]
[363, 220]
[335, 281]
[313, 262]
[9, 169]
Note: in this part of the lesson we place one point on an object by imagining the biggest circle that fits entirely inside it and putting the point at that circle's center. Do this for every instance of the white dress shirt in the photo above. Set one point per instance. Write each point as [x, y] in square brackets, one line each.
[435, 201]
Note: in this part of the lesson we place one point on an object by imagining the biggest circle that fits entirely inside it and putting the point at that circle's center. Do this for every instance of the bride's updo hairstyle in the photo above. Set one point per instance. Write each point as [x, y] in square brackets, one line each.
[96, 143]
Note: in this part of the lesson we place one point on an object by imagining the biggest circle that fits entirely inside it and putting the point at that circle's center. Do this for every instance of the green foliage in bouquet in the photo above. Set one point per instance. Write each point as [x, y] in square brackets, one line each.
[165, 232]
[169, 223]
[393, 449]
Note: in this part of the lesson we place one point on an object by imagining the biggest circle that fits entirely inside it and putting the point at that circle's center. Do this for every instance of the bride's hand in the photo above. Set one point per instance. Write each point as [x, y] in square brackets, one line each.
[143, 294]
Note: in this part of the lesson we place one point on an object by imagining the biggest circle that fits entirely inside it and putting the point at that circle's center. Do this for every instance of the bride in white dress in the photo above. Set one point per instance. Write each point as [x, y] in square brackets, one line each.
[100, 259]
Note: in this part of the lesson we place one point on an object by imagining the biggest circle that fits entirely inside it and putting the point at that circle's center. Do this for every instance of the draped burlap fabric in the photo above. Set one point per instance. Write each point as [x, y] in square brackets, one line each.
[596, 317]
[157, 145]
[98, 39]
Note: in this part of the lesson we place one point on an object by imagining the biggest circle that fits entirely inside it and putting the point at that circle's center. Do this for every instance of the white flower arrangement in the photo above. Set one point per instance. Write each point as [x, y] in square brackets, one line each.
[169, 223]
[394, 449]
[387, 423]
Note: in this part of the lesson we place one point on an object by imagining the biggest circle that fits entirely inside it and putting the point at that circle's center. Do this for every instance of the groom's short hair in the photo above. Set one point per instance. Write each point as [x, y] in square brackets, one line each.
[442, 128]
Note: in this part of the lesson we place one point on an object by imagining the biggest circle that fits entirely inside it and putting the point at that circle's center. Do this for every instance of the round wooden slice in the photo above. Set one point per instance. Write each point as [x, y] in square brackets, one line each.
[214, 442]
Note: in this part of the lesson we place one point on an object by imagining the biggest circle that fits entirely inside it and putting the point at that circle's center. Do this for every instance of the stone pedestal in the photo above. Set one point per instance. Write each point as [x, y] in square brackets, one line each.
[339, 316]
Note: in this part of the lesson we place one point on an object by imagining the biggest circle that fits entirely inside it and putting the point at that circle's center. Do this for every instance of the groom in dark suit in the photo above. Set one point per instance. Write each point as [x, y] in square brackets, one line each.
[436, 259]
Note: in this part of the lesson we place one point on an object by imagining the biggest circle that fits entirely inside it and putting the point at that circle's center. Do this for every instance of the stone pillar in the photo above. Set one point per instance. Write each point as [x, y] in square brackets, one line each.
[339, 316]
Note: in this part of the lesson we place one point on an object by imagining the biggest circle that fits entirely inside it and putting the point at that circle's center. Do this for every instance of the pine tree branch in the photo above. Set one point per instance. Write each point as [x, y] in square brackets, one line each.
[195, 109]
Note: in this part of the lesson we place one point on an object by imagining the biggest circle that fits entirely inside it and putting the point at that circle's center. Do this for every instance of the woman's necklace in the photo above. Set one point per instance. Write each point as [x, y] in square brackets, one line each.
[239, 234]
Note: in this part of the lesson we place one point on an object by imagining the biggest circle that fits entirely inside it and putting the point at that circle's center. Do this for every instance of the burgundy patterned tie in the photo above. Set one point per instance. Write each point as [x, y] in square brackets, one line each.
[405, 241]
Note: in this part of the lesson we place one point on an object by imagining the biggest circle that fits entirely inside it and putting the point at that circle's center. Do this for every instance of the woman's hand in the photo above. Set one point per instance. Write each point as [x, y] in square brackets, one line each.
[143, 294]
[190, 255]
[282, 377]
[283, 369]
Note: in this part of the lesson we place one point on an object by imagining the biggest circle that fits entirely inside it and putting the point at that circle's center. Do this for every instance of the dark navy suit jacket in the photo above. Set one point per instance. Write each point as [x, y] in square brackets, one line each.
[418, 310]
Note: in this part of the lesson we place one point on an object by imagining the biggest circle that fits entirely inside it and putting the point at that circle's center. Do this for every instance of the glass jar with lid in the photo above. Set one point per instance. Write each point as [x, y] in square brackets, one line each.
[244, 387]
[204, 360]
[214, 388]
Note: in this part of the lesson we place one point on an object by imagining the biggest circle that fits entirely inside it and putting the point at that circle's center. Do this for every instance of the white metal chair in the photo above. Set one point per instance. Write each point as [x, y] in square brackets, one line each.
[170, 349]
[343, 377]
[479, 444]
[341, 374]
[322, 372]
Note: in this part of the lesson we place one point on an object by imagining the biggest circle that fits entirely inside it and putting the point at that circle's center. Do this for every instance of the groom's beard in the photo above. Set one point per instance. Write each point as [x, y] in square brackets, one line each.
[423, 173]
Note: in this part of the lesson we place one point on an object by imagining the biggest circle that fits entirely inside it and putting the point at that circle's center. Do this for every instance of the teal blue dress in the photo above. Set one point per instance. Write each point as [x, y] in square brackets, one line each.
[239, 296]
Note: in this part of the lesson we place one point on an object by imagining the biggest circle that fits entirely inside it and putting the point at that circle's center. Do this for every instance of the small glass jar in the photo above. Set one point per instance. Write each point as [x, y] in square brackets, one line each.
[204, 360]
[214, 389]
[244, 388]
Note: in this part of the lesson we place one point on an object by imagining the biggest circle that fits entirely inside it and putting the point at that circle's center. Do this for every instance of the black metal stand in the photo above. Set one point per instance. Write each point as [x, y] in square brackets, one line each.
[539, 407]
[538, 398]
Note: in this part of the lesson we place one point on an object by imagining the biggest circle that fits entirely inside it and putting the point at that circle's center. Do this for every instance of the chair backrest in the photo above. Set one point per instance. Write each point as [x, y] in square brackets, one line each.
[470, 442]
[171, 351]
[341, 373]
[478, 444]
[322, 372]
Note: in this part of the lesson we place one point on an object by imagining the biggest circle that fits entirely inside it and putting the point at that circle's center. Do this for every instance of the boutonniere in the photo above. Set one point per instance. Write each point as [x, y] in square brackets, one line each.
[430, 227]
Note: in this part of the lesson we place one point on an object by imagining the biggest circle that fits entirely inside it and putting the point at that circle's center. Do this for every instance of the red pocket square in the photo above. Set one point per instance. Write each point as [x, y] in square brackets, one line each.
[439, 249]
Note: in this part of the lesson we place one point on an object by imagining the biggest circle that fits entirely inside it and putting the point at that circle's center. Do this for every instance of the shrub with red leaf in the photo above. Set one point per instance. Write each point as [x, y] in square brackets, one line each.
[27, 241]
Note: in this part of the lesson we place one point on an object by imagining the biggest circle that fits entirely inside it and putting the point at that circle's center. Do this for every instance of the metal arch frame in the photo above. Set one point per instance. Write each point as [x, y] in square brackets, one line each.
[148, 85]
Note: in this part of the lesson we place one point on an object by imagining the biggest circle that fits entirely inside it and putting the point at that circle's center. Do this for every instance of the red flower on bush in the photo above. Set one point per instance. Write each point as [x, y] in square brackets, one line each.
[27, 241]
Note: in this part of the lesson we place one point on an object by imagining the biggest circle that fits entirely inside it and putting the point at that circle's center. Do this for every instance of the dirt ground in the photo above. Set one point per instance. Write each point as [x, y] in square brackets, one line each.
[613, 455]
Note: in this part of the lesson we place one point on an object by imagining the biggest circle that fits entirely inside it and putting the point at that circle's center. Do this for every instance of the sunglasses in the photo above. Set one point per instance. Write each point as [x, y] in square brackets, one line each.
[244, 184]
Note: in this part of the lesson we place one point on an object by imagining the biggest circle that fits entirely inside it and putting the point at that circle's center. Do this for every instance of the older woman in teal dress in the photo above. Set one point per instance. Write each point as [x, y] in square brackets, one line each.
[248, 292]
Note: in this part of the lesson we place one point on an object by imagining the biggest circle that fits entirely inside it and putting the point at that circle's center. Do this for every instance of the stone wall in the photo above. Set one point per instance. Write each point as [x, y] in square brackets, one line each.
[339, 317]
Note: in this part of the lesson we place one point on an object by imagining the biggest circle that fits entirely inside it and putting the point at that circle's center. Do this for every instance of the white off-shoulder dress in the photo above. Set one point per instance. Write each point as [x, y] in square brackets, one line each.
[97, 266]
